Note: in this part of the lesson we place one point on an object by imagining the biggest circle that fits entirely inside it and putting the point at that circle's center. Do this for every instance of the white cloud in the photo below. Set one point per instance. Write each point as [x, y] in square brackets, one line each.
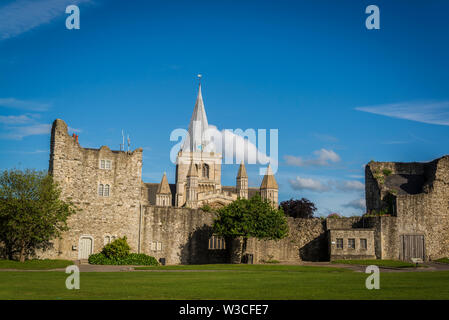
[427, 112]
[356, 204]
[308, 184]
[323, 157]
[23, 15]
[18, 133]
[352, 185]
[324, 186]
[21, 119]
[23, 105]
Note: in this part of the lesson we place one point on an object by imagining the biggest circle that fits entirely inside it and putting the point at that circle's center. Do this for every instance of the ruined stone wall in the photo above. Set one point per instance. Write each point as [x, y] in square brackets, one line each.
[307, 241]
[421, 203]
[77, 170]
[358, 252]
[184, 233]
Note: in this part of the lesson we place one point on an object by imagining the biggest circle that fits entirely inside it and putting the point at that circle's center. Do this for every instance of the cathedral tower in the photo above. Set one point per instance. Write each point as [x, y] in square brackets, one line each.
[197, 149]
[242, 182]
[269, 188]
[192, 186]
[163, 194]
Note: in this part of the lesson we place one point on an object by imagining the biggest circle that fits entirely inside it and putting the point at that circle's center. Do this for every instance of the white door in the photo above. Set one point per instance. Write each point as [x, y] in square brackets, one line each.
[85, 247]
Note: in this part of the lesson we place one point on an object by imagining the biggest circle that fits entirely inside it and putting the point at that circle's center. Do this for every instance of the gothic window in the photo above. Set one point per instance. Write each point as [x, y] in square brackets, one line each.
[217, 243]
[105, 164]
[100, 190]
[206, 170]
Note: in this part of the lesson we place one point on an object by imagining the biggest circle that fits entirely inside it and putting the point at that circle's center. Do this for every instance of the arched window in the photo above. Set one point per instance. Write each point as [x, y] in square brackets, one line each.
[106, 190]
[100, 190]
[206, 170]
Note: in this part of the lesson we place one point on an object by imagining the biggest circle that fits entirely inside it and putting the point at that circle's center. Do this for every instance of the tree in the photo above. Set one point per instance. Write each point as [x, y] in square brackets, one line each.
[303, 208]
[250, 218]
[31, 212]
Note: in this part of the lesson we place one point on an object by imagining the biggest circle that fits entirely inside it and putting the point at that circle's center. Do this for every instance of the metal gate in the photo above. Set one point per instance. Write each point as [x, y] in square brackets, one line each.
[412, 246]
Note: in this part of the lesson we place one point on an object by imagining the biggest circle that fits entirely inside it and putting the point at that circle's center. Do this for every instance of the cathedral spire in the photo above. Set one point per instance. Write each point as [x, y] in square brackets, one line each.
[196, 140]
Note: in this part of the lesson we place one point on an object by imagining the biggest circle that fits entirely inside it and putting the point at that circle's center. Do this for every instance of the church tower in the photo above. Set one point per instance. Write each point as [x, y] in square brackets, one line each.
[242, 182]
[163, 194]
[197, 149]
[269, 188]
[192, 186]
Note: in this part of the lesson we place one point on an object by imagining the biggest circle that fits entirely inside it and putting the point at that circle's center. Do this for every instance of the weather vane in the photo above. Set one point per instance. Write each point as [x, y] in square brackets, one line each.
[199, 77]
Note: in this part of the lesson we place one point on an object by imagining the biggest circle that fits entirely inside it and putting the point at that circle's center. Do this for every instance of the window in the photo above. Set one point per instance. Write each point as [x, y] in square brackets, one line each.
[206, 170]
[106, 190]
[105, 164]
[363, 243]
[156, 246]
[351, 243]
[339, 243]
[103, 190]
[108, 239]
[217, 243]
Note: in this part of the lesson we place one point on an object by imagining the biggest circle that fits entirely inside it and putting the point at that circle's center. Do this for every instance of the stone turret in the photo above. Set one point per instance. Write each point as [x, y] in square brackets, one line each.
[192, 187]
[269, 188]
[242, 182]
[163, 194]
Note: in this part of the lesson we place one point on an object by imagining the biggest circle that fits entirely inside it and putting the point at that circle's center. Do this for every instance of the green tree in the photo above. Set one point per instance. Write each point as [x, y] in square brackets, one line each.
[31, 212]
[250, 218]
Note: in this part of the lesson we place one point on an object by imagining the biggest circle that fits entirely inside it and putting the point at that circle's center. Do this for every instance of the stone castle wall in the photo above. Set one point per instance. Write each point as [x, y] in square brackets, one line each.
[77, 170]
[421, 197]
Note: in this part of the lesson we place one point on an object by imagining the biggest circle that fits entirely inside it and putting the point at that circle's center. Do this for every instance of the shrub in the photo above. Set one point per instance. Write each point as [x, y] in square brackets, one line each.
[206, 208]
[386, 172]
[117, 249]
[130, 259]
[334, 215]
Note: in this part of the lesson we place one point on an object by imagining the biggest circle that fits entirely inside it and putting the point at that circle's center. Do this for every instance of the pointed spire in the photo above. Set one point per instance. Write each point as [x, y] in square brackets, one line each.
[193, 172]
[242, 171]
[196, 140]
[163, 187]
[269, 182]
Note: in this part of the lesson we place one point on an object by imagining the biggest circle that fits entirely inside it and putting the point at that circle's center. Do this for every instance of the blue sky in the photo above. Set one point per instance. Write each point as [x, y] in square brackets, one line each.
[339, 94]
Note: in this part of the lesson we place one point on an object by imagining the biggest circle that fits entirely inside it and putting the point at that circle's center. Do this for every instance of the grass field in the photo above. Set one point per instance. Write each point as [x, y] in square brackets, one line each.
[379, 263]
[226, 282]
[35, 264]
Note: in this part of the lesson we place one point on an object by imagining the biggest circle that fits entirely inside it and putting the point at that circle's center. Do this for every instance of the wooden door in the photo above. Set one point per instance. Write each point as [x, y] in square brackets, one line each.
[412, 246]
[85, 247]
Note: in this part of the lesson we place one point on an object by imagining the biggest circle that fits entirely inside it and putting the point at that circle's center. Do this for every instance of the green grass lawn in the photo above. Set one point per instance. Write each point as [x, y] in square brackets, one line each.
[46, 264]
[443, 260]
[237, 282]
[379, 263]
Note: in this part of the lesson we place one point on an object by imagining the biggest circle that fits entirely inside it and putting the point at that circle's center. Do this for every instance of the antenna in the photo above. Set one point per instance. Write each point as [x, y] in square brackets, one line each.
[129, 142]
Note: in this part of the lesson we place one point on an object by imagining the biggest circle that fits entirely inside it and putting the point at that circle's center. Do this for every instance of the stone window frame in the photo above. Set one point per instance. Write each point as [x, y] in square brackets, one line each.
[216, 243]
[111, 237]
[156, 246]
[104, 190]
[105, 164]
[363, 243]
[339, 243]
[351, 243]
